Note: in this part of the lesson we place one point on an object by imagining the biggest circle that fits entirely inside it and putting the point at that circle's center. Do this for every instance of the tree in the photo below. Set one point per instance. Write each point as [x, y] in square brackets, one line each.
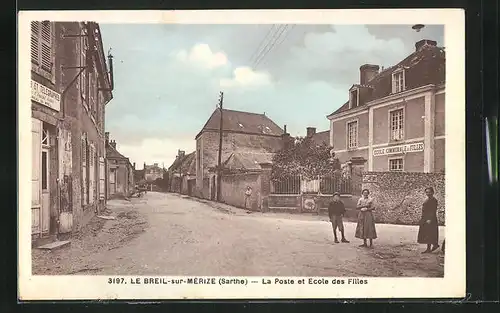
[304, 157]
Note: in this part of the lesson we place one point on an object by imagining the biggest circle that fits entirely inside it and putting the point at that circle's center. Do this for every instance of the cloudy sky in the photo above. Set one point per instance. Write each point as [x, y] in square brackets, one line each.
[168, 77]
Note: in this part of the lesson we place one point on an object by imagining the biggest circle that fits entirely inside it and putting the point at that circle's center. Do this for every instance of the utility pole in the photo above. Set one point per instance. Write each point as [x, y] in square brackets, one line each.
[219, 162]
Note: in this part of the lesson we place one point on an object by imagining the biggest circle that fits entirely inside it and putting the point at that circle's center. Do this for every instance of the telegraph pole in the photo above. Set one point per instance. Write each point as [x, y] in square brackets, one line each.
[219, 162]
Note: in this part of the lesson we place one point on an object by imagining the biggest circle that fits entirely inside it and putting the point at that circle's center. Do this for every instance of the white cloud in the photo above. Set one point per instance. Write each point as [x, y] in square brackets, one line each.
[203, 56]
[152, 150]
[246, 77]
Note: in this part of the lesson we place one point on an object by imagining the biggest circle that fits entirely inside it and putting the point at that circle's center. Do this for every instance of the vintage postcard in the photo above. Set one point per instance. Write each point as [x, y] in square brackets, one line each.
[241, 154]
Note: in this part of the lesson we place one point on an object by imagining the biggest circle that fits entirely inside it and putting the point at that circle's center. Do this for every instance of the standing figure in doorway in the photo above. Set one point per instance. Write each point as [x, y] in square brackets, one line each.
[366, 223]
[336, 210]
[248, 195]
[428, 232]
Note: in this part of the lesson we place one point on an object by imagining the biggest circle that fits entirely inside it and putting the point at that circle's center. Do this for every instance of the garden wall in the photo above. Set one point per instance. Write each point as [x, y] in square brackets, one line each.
[398, 196]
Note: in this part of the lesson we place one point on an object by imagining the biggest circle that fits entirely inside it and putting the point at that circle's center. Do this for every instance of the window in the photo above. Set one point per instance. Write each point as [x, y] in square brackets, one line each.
[396, 165]
[41, 47]
[354, 98]
[396, 124]
[398, 81]
[352, 134]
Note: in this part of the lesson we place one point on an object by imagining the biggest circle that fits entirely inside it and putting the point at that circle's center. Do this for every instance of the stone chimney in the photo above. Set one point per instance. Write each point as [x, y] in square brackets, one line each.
[181, 153]
[423, 43]
[112, 143]
[310, 131]
[106, 137]
[367, 72]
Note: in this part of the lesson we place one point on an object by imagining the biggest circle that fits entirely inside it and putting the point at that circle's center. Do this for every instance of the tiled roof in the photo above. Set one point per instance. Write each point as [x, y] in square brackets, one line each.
[112, 153]
[247, 160]
[423, 67]
[186, 164]
[243, 122]
[321, 137]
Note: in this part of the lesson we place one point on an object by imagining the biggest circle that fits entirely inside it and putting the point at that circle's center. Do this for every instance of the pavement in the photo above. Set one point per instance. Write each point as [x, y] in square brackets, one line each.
[170, 234]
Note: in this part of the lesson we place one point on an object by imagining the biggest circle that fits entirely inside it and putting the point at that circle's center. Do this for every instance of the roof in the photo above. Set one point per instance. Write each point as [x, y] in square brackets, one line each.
[423, 67]
[242, 122]
[247, 160]
[186, 164]
[112, 153]
[321, 137]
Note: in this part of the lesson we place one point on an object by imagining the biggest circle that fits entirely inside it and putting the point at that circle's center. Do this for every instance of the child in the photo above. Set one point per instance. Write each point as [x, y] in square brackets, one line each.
[336, 210]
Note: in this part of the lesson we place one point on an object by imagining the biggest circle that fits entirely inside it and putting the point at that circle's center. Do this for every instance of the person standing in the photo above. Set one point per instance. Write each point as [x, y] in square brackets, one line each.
[366, 223]
[428, 232]
[248, 195]
[336, 210]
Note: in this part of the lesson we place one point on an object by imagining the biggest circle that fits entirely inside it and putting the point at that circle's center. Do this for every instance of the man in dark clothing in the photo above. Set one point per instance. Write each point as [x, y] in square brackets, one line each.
[336, 210]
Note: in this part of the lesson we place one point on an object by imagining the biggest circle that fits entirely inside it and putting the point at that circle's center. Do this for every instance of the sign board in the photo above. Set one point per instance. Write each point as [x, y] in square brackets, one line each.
[45, 96]
[413, 147]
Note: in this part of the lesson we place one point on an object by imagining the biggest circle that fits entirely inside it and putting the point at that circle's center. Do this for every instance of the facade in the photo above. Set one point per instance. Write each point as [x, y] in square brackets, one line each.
[121, 180]
[182, 173]
[70, 87]
[395, 119]
[242, 132]
[152, 172]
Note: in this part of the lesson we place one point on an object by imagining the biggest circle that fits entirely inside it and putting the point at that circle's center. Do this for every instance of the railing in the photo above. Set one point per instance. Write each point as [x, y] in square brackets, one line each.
[327, 185]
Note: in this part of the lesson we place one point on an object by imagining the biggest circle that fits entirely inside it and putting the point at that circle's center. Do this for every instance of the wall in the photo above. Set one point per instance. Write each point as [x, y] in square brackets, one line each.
[339, 131]
[439, 122]
[439, 155]
[398, 196]
[208, 143]
[234, 186]
[412, 161]
[414, 124]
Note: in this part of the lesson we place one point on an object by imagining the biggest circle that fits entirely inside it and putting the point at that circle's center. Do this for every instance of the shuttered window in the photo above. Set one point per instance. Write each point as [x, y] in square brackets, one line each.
[42, 46]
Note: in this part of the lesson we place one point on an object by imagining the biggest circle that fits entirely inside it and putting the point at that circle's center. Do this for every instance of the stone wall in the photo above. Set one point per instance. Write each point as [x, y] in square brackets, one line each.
[234, 186]
[398, 196]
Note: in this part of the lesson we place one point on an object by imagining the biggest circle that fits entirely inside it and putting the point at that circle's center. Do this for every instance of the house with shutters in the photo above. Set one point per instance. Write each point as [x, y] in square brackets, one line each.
[394, 119]
[70, 87]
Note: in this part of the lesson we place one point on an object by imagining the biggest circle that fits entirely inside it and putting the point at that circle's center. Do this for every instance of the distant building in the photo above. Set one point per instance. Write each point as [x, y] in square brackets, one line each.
[152, 172]
[182, 173]
[70, 87]
[318, 137]
[395, 118]
[242, 132]
[121, 180]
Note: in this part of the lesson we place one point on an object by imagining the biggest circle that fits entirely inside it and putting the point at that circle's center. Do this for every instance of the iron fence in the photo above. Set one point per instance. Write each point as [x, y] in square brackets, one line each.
[326, 185]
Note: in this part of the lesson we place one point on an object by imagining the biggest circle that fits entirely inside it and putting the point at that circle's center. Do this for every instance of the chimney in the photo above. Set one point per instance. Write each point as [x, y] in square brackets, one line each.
[284, 130]
[310, 131]
[144, 166]
[367, 72]
[106, 136]
[181, 153]
[423, 43]
[134, 165]
[113, 144]
[111, 75]
[156, 164]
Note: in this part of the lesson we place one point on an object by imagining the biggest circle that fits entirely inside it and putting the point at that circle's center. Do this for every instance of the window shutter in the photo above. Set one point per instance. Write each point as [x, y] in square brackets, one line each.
[35, 42]
[46, 46]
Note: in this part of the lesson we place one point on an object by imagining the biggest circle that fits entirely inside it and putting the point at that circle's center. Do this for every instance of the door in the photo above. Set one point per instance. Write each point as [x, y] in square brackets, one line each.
[36, 203]
[45, 182]
[112, 181]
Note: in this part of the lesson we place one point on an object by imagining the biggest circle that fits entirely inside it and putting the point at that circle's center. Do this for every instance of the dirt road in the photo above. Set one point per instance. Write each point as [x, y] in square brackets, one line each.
[168, 234]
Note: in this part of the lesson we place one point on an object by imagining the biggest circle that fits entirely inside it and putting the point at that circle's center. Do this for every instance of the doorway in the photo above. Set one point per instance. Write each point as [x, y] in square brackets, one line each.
[45, 179]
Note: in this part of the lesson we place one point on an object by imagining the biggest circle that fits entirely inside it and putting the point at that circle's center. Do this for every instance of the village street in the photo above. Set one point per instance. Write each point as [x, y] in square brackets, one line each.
[169, 234]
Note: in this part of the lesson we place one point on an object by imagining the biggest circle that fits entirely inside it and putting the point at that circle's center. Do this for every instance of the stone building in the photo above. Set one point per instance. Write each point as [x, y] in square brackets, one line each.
[152, 172]
[242, 132]
[395, 118]
[121, 180]
[70, 87]
[182, 173]
[319, 138]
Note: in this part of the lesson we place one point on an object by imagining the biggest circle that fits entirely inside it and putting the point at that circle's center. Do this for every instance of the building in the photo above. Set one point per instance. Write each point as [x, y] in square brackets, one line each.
[242, 132]
[152, 172]
[318, 137]
[182, 173]
[70, 87]
[121, 180]
[395, 118]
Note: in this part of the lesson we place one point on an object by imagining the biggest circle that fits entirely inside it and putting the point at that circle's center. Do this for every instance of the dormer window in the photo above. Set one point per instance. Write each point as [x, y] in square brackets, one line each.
[398, 81]
[353, 98]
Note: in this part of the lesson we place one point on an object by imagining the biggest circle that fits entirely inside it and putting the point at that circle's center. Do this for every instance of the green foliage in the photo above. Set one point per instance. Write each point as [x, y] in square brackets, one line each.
[304, 157]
